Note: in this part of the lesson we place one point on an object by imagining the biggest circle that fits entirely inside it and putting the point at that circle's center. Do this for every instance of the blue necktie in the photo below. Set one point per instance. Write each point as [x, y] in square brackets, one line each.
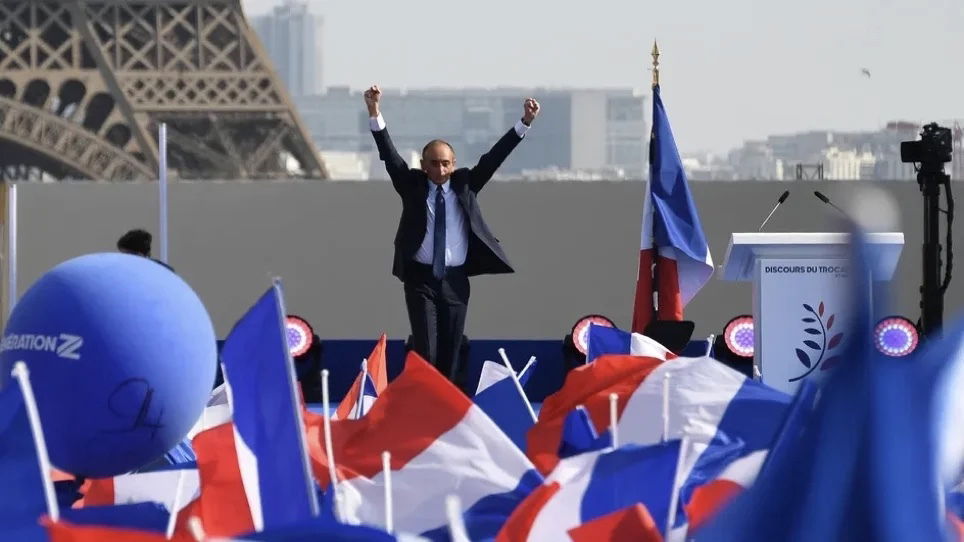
[438, 243]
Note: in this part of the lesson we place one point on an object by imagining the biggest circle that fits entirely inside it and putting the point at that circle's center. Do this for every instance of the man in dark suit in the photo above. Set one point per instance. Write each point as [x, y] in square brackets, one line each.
[442, 239]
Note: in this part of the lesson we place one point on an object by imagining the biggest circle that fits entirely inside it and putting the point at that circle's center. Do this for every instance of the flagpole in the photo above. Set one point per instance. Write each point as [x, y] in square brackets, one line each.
[387, 475]
[655, 270]
[295, 399]
[11, 248]
[645, 299]
[613, 419]
[518, 385]
[678, 479]
[196, 528]
[329, 451]
[530, 363]
[655, 54]
[22, 375]
[361, 388]
[453, 512]
[665, 410]
[175, 504]
[162, 190]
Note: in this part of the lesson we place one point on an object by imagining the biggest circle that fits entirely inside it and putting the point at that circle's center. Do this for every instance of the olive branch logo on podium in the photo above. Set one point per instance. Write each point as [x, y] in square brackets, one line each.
[821, 348]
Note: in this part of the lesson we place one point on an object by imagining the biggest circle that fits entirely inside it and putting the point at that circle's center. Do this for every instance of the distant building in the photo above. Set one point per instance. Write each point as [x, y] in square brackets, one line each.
[583, 131]
[291, 34]
[757, 160]
[346, 165]
[803, 147]
[361, 166]
[848, 165]
[838, 155]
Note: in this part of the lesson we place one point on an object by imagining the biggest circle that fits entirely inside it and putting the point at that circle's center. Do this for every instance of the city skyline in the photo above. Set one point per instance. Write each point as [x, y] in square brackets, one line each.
[730, 73]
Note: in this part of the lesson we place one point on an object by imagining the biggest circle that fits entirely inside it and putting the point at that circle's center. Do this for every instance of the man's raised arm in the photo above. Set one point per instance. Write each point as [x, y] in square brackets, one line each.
[395, 165]
[490, 161]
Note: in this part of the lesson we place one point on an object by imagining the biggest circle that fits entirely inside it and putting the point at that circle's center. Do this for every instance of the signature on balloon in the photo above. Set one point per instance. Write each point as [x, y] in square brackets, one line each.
[131, 402]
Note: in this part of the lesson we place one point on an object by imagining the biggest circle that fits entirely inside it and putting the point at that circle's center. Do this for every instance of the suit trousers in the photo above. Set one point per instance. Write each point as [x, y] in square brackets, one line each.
[436, 311]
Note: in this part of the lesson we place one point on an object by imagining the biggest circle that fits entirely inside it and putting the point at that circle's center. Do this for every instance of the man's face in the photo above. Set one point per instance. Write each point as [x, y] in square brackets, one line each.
[438, 162]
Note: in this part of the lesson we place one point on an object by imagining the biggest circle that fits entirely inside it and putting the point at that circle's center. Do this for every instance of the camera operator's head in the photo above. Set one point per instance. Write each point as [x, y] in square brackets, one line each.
[136, 242]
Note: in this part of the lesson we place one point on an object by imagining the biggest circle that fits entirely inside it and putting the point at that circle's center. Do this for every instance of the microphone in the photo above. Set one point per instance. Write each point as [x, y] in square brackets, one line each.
[783, 198]
[826, 200]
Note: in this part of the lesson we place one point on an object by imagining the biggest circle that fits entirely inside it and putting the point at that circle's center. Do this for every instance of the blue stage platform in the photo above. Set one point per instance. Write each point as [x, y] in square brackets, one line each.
[342, 358]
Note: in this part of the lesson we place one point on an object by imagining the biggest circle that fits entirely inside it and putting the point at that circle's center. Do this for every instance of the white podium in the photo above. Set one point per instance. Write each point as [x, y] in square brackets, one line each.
[800, 303]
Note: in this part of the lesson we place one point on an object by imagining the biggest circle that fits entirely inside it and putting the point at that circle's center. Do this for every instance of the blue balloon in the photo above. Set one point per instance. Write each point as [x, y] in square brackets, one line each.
[122, 357]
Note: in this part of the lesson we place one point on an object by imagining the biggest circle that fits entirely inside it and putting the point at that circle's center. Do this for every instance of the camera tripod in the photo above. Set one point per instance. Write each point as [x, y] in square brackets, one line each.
[930, 178]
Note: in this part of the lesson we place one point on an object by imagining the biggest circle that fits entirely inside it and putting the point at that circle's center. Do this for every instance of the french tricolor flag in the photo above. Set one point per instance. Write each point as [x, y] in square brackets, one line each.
[609, 340]
[266, 412]
[440, 443]
[697, 398]
[159, 486]
[370, 382]
[588, 386]
[713, 406]
[592, 485]
[674, 259]
[708, 499]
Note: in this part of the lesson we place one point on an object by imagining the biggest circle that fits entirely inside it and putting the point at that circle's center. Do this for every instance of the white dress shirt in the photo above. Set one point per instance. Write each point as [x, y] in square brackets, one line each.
[456, 228]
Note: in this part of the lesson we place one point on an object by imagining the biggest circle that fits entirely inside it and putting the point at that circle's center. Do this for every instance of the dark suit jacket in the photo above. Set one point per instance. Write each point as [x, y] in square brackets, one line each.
[485, 255]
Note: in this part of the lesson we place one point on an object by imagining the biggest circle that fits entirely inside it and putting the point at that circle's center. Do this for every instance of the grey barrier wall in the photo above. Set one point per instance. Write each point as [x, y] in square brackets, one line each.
[574, 247]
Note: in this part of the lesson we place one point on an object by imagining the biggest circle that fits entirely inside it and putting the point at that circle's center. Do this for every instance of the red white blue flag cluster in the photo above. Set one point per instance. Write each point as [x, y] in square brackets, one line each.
[637, 445]
[690, 438]
[630, 448]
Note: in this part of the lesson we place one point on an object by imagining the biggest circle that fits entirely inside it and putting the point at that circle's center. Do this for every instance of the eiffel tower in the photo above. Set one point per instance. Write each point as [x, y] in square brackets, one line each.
[84, 85]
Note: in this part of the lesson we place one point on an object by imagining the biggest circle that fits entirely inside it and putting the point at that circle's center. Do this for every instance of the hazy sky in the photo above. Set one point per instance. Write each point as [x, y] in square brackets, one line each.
[730, 70]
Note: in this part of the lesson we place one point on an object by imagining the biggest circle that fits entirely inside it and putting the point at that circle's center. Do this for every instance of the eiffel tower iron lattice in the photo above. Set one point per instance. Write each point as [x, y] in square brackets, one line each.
[84, 85]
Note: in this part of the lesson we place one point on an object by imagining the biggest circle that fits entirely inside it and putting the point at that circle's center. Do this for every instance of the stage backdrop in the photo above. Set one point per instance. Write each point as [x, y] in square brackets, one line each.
[574, 247]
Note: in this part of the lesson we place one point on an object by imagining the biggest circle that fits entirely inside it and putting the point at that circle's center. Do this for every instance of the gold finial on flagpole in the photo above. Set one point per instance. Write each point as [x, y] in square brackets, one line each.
[655, 64]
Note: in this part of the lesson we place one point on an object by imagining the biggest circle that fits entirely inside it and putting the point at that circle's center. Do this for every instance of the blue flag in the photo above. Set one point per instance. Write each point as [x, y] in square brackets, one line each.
[607, 340]
[267, 416]
[498, 397]
[22, 495]
[865, 465]
[800, 410]
[579, 434]
[629, 475]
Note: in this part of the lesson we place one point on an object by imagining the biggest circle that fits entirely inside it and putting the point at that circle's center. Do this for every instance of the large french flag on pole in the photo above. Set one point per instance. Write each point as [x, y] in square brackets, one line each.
[674, 259]
[269, 435]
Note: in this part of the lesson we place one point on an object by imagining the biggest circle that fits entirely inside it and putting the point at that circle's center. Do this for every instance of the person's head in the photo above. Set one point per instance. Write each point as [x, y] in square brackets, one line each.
[438, 160]
[137, 242]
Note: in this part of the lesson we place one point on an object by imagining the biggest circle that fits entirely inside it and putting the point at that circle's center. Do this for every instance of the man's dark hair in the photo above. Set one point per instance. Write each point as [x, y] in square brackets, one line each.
[135, 242]
[434, 142]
